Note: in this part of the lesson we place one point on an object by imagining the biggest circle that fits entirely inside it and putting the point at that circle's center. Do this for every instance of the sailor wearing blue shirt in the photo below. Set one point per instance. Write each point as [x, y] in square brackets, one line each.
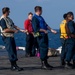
[39, 25]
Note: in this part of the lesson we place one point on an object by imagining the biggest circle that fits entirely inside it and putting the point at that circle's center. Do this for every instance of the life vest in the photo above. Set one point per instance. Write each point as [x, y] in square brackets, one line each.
[9, 24]
[63, 33]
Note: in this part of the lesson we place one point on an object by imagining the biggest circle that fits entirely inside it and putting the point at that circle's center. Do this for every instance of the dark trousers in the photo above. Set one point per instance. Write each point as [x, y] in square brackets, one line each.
[43, 46]
[11, 48]
[29, 44]
[63, 51]
[73, 54]
[35, 46]
[70, 49]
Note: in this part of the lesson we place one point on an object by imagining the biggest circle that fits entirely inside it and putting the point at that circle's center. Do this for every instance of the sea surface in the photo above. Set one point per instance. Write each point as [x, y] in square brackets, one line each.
[20, 39]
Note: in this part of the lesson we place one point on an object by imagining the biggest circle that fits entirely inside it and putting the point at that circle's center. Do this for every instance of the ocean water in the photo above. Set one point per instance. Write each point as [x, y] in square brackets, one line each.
[54, 39]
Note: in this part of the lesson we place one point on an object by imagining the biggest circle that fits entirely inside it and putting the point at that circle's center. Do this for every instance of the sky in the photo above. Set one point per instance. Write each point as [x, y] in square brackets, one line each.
[53, 10]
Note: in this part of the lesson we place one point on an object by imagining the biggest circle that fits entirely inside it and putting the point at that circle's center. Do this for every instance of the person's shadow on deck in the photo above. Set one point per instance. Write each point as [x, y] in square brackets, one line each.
[33, 68]
[24, 68]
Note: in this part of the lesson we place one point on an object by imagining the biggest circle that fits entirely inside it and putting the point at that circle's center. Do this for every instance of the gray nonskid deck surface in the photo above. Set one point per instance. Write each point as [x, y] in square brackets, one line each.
[32, 66]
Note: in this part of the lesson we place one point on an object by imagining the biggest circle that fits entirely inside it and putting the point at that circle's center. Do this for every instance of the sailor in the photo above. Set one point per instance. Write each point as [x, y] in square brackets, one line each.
[8, 28]
[41, 27]
[63, 37]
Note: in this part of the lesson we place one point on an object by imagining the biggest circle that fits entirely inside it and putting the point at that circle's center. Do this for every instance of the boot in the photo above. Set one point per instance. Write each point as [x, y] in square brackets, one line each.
[68, 65]
[46, 62]
[14, 67]
[63, 64]
[45, 65]
[73, 67]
